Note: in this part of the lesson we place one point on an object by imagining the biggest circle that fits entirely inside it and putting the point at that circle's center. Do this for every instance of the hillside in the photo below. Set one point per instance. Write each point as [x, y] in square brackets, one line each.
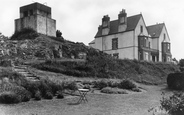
[97, 64]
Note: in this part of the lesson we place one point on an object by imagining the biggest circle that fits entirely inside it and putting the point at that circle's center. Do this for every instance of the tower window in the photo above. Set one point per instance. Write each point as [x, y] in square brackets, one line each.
[115, 43]
[25, 13]
[31, 12]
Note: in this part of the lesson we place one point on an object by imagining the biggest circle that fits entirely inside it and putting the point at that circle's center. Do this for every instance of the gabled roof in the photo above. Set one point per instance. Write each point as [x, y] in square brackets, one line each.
[155, 30]
[132, 22]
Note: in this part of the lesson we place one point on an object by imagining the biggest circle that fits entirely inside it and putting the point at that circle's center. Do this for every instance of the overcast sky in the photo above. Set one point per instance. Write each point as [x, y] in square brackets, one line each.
[78, 20]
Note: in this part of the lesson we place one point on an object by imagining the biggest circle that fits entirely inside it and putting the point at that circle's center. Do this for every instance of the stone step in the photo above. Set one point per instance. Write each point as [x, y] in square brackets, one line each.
[32, 78]
[19, 70]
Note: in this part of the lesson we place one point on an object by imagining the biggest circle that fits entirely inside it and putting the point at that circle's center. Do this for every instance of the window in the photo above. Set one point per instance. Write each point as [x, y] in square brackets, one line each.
[141, 28]
[149, 45]
[115, 43]
[168, 47]
[116, 55]
[104, 23]
[31, 12]
[146, 56]
[122, 20]
[164, 36]
[25, 13]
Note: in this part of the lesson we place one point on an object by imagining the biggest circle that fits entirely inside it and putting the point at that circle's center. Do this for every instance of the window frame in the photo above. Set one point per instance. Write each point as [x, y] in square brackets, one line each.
[114, 43]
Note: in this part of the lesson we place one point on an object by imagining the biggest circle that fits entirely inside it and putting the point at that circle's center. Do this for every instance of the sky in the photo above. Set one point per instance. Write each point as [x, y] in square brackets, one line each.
[78, 20]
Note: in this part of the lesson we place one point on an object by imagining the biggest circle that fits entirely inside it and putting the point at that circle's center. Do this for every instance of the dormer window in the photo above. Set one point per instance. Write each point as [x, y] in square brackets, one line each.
[105, 24]
[122, 20]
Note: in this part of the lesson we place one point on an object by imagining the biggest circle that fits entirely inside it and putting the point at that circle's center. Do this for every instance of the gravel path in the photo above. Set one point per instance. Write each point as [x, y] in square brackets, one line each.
[99, 104]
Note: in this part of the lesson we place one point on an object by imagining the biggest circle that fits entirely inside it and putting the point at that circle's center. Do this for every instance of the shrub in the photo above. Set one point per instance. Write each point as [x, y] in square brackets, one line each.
[5, 63]
[20, 91]
[60, 95]
[71, 85]
[174, 104]
[127, 84]
[100, 84]
[31, 86]
[26, 33]
[9, 98]
[112, 83]
[48, 95]
[37, 95]
[175, 81]
[136, 90]
[54, 85]
[110, 90]
[23, 93]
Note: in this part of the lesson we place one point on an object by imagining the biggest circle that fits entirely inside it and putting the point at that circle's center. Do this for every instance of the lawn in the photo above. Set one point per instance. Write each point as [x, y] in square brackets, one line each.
[99, 104]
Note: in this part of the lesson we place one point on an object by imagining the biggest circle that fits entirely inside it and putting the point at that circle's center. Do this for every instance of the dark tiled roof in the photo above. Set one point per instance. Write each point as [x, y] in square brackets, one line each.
[155, 30]
[131, 24]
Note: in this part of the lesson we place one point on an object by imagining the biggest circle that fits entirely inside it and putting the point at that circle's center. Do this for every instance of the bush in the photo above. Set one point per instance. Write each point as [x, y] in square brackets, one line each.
[127, 84]
[20, 91]
[37, 95]
[112, 83]
[100, 84]
[174, 105]
[48, 95]
[71, 85]
[9, 98]
[5, 63]
[110, 90]
[26, 33]
[136, 90]
[60, 95]
[23, 93]
[175, 81]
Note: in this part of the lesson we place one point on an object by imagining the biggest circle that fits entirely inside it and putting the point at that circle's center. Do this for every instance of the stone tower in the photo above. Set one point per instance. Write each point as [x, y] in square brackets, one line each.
[38, 17]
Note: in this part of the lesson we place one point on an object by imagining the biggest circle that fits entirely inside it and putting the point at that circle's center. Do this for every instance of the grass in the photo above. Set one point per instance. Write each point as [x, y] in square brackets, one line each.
[101, 65]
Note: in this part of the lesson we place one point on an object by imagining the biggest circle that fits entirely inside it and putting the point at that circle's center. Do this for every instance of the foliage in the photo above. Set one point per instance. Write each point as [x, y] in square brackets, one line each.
[70, 85]
[58, 33]
[174, 104]
[60, 95]
[37, 95]
[48, 95]
[9, 98]
[5, 63]
[26, 33]
[136, 89]
[175, 81]
[127, 84]
[100, 84]
[110, 90]
[19, 92]
[181, 63]
[101, 65]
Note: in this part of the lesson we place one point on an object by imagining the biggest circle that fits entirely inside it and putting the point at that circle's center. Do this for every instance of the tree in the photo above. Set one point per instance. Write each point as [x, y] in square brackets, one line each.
[2, 37]
[58, 33]
[181, 63]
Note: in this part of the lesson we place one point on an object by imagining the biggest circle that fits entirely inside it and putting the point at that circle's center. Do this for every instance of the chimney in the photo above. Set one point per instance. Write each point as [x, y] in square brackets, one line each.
[105, 25]
[122, 20]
